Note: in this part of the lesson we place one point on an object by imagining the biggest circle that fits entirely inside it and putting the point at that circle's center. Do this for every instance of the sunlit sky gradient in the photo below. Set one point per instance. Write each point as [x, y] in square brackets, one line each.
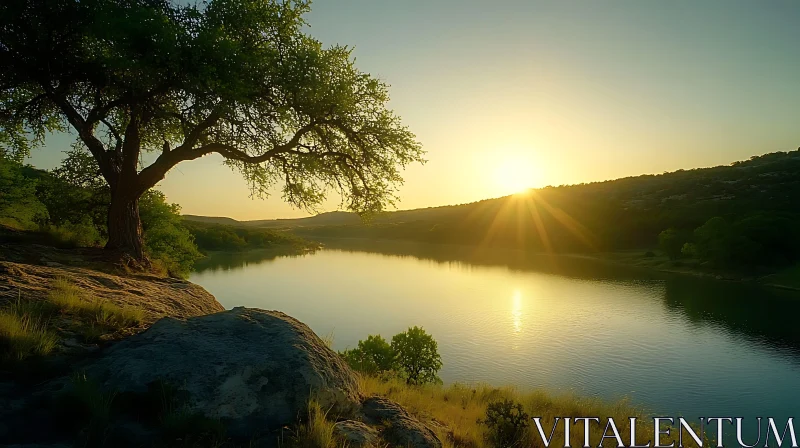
[508, 94]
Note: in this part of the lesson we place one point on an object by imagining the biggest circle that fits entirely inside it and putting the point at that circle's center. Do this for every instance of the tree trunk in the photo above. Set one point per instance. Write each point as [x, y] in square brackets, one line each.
[125, 227]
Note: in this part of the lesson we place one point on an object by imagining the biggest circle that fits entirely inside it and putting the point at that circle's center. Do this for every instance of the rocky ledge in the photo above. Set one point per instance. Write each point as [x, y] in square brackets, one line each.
[156, 296]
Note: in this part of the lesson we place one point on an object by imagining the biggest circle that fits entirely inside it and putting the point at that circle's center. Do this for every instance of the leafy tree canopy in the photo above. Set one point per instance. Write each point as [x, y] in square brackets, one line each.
[417, 355]
[238, 78]
[373, 355]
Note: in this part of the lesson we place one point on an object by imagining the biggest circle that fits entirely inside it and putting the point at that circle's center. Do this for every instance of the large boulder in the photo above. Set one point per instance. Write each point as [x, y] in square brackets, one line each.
[254, 370]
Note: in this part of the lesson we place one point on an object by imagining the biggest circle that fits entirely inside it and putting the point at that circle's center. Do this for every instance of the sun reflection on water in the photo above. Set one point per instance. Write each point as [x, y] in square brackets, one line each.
[516, 311]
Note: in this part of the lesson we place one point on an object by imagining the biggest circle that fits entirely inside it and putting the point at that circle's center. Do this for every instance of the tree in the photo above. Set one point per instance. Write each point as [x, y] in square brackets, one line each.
[374, 355]
[417, 355]
[236, 78]
[671, 241]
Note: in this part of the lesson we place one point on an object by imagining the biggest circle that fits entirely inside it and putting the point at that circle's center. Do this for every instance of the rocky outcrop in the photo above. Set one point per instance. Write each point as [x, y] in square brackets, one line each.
[156, 296]
[399, 427]
[254, 370]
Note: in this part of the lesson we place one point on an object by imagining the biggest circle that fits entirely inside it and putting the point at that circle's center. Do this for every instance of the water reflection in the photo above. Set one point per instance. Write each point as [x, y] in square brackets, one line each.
[226, 261]
[515, 260]
[516, 310]
[677, 345]
[763, 315]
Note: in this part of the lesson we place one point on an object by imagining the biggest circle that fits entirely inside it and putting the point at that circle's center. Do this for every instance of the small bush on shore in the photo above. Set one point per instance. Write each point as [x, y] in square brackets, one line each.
[373, 355]
[71, 235]
[507, 424]
[412, 355]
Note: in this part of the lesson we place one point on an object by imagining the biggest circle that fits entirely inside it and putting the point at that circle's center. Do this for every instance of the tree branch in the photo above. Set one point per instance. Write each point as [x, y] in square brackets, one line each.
[114, 132]
[86, 135]
[158, 169]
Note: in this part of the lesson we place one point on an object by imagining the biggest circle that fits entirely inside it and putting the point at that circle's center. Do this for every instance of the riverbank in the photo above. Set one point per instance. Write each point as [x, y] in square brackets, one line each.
[457, 412]
[787, 278]
[639, 259]
[89, 312]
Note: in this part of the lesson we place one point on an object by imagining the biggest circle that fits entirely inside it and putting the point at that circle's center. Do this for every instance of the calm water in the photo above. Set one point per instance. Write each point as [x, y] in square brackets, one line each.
[674, 345]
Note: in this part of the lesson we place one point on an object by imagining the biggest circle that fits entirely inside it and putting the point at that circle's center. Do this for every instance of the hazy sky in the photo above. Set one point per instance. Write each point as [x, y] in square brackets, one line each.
[507, 94]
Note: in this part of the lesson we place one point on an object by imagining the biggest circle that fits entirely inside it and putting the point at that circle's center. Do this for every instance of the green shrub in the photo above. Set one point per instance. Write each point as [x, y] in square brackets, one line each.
[374, 355]
[417, 356]
[80, 234]
[412, 355]
[216, 237]
[166, 239]
[507, 424]
[671, 241]
[19, 207]
[689, 250]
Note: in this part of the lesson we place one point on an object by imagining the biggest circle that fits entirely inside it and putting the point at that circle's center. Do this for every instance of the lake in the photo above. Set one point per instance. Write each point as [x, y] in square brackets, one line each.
[675, 345]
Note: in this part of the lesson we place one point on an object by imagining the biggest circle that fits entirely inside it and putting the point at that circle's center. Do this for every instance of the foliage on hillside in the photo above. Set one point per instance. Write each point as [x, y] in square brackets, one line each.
[216, 237]
[757, 198]
[69, 206]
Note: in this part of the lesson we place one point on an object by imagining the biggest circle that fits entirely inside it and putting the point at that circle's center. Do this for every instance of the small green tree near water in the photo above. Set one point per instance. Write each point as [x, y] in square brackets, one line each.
[671, 241]
[412, 354]
[417, 356]
[373, 355]
[183, 80]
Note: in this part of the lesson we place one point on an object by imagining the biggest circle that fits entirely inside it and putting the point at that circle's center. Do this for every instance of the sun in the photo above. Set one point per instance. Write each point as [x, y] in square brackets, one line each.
[514, 175]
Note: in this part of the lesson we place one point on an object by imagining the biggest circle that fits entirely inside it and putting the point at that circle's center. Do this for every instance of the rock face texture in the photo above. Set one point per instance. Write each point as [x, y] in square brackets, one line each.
[250, 368]
[355, 433]
[401, 428]
[156, 296]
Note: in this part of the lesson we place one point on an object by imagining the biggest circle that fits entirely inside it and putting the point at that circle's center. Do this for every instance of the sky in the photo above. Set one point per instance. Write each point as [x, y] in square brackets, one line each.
[513, 94]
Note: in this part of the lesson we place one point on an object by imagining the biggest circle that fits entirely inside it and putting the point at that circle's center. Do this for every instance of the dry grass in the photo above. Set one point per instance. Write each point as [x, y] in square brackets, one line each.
[317, 431]
[96, 313]
[23, 333]
[453, 412]
[24, 325]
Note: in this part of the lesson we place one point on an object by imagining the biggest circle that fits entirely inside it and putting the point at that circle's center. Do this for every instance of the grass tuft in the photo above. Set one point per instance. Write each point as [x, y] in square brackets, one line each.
[23, 332]
[317, 431]
[99, 315]
[328, 339]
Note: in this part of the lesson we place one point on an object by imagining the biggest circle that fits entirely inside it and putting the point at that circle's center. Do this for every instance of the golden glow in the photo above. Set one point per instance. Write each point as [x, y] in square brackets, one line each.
[514, 175]
[516, 310]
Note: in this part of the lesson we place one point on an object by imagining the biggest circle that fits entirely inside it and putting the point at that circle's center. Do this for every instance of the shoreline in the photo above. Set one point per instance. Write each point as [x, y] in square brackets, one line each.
[627, 258]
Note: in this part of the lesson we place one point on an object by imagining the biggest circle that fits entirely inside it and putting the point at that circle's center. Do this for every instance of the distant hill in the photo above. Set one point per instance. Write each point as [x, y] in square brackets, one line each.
[323, 219]
[627, 213]
[683, 198]
[214, 220]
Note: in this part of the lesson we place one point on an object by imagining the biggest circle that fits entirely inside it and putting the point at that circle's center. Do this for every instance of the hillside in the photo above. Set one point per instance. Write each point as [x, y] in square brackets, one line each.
[620, 214]
[323, 219]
